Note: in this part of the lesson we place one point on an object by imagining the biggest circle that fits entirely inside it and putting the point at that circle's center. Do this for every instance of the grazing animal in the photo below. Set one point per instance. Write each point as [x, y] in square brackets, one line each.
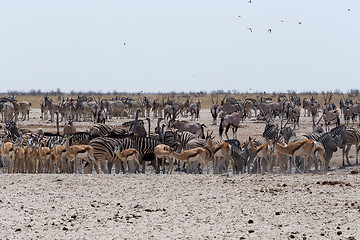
[231, 120]
[304, 147]
[127, 155]
[69, 127]
[163, 151]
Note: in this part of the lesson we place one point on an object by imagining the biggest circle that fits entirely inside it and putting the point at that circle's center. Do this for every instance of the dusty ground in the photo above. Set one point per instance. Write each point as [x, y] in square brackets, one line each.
[181, 206]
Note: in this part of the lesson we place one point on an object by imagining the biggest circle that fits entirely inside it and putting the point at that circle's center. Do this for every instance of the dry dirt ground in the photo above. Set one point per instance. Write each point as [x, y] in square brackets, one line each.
[181, 206]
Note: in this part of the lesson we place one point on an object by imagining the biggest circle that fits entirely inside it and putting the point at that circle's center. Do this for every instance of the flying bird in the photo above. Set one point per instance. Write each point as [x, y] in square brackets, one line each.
[124, 44]
[349, 9]
[299, 23]
[249, 1]
[282, 21]
[250, 29]
[269, 30]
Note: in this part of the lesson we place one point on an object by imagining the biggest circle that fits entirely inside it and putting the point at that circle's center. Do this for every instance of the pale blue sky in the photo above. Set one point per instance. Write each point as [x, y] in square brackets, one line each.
[180, 45]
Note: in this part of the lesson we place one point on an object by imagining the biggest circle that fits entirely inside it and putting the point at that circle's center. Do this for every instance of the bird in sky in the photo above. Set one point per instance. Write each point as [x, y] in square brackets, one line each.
[250, 29]
[249, 1]
[124, 44]
[349, 9]
[239, 16]
[299, 23]
[269, 30]
[282, 21]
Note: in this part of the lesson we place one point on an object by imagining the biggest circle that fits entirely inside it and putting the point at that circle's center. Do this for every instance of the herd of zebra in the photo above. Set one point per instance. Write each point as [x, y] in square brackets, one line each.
[175, 142]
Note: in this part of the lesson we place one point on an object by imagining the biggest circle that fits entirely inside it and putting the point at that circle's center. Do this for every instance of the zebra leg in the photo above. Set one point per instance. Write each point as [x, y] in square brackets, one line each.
[143, 167]
[348, 147]
[109, 165]
[117, 167]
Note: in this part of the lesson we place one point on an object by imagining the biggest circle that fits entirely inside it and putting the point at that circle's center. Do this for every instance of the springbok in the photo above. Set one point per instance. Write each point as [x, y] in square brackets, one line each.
[127, 155]
[163, 151]
[79, 152]
[200, 154]
[304, 147]
[8, 154]
[59, 152]
[222, 151]
[261, 152]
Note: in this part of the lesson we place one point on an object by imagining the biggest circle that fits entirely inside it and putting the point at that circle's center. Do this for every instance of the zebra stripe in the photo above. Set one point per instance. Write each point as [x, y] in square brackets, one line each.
[100, 130]
[328, 142]
[271, 132]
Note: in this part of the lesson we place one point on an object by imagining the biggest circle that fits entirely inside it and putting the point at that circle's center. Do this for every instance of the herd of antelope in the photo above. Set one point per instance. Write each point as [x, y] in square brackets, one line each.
[177, 143]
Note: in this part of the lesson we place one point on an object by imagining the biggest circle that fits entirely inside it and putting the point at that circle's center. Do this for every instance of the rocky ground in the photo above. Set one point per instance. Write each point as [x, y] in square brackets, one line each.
[182, 206]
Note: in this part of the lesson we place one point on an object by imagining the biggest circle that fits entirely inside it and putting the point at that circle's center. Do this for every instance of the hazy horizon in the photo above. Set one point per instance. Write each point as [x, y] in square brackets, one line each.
[164, 46]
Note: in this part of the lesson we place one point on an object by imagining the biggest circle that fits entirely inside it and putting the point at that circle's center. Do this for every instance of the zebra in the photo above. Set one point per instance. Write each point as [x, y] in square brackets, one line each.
[271, 131]
[328, 142]
[104, 148]
[48, 106]
[80, 138]
[351, 137]
[100, 130]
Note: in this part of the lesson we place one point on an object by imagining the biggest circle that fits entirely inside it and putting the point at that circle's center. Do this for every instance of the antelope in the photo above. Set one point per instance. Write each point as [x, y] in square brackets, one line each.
[8, 154]
[230, 120]
[197, 154]
[69, 127]
[261, 152]
[126, 155]
[295, 116]
[304, 147]
[222, 151]
[19, 158]
[214, 109]
[79, 152]
[59, 152]
[163, 151]
[184, 126]
[329, 116]
[43, 155]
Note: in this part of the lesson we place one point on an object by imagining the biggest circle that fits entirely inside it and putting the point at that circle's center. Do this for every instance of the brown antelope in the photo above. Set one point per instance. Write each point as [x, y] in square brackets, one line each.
[305, 147]
[163, 151]
[222, 151]
[19, 158]
[8, 154]
[79, 152]
[201, 154]
[44, 157]
[261, 152]
[69, 127]
[127, 155]
[30, 158]
[59, 152]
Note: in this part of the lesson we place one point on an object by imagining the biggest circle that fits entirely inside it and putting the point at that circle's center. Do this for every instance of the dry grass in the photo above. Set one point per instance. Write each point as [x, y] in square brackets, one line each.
[206, 100]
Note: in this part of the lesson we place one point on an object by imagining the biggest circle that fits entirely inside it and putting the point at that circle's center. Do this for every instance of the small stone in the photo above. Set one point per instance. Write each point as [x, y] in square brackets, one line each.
[65, 228]
[339, 233]
[277, 213]
[18, 230]
[251, 231]
[250, 221]
[292, 236]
